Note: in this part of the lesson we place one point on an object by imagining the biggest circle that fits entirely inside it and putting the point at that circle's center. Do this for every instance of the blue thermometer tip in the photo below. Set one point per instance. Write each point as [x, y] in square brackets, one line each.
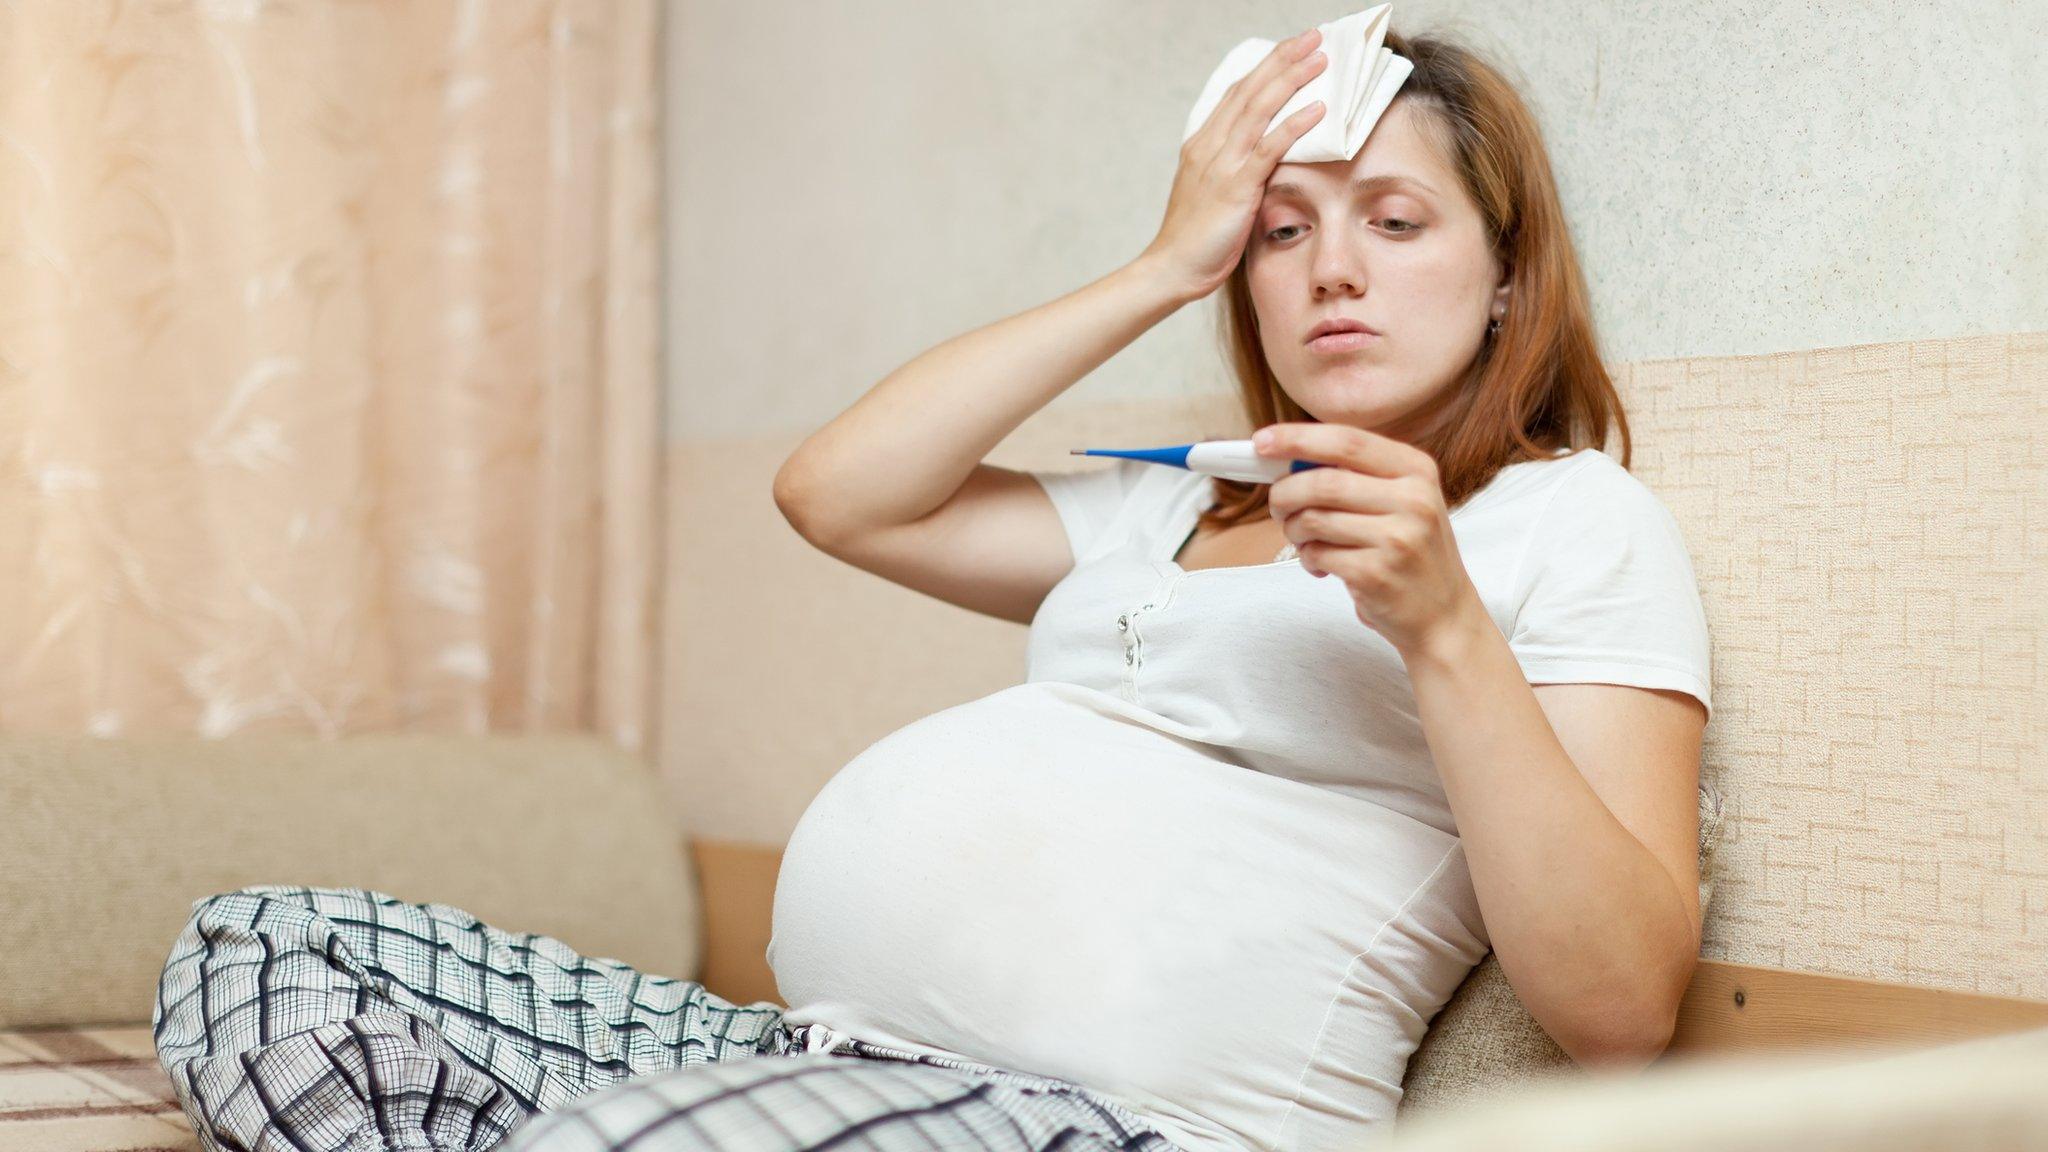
[1176, 456]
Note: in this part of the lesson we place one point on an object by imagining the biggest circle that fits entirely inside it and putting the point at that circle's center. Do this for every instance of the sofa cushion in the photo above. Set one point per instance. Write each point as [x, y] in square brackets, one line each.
[1484, 1040]
[111, 841]
[88, 1090]
[1982, 1093]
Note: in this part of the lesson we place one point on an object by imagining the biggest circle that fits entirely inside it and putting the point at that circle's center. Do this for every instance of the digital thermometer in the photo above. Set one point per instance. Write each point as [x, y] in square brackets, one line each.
[1229, 459]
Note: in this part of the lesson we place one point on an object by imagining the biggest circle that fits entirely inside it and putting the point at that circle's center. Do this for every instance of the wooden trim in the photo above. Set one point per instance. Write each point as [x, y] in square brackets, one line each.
[1728, 1008]
[737, 882]
[1748, 1008]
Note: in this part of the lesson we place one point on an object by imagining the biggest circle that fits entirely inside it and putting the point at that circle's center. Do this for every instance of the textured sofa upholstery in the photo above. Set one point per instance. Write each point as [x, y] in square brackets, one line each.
[1979, 1094]
[110, 841]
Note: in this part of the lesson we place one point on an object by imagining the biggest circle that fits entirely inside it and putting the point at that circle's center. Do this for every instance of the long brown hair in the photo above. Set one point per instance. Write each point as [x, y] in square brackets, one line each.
[1537, 384]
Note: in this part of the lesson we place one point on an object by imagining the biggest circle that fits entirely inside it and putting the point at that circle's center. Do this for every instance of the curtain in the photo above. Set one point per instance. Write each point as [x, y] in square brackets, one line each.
[328, 366]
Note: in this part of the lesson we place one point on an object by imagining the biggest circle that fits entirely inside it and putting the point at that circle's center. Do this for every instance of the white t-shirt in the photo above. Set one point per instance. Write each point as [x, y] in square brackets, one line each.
[1200, 861]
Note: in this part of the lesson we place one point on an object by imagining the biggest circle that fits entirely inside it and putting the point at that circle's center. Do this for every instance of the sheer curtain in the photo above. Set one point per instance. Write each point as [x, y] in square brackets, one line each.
[328, 366]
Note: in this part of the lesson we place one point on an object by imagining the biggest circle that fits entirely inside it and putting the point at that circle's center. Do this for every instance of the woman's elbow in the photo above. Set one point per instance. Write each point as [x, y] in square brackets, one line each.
[1625, 1023]
[1629, 1031]
[1621, 1041]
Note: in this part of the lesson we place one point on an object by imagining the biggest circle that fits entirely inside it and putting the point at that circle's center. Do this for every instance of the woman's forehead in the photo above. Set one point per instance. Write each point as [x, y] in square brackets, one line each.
[1393, 149]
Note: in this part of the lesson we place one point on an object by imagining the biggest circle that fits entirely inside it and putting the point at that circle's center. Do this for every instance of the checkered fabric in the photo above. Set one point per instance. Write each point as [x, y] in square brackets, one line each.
[344, 1020]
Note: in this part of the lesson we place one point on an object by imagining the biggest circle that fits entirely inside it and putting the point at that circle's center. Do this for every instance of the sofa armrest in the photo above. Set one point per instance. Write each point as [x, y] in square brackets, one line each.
[109, 842]
[1983, 1093]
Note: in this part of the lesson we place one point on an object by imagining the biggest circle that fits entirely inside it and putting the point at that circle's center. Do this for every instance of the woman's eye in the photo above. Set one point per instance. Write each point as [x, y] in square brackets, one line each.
[1405, 226]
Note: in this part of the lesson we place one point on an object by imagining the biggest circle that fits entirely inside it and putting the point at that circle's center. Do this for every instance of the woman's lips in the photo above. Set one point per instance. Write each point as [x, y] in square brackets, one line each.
[1342, 341]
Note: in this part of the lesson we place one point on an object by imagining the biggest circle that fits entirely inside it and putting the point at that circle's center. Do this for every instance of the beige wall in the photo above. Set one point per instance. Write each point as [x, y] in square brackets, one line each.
[1740, 177]
[1864, 521]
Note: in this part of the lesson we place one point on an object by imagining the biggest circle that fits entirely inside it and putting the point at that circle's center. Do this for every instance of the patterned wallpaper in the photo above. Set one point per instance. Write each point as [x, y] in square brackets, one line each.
[1869, 525]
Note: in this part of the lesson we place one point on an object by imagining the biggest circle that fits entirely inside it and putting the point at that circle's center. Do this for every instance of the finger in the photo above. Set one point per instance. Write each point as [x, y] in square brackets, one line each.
[1278, 59]
[1330, 443]
[1340, 528]
[1343, 490]
[1253, 120]
[1276, 143]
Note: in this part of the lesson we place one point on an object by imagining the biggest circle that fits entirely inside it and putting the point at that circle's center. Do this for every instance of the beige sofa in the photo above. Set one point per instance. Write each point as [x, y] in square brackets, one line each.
[111, 841]
[1865, 527]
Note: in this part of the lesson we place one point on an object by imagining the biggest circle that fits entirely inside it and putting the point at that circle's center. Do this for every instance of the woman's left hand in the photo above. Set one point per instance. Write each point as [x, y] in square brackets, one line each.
[1377, 521]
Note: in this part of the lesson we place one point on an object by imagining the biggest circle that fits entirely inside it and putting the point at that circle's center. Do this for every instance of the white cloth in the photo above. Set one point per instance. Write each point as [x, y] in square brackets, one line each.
[1200, 861]
[1355, 87]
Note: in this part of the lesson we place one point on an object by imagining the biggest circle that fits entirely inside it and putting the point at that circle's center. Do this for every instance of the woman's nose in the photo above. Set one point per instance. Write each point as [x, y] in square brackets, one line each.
[1337, 267]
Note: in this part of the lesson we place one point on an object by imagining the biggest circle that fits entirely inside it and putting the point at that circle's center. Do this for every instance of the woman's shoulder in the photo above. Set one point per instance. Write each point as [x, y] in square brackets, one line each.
[1593, 505]
[1517, 490]
[1587, 480]
[1595, 479]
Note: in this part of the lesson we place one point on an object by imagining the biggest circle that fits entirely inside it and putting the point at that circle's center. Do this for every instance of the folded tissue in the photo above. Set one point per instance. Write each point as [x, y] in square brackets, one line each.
[1355, 86]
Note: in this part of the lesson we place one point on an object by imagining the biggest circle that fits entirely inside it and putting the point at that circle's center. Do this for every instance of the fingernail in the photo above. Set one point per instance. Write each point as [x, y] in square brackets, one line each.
[1263, 438]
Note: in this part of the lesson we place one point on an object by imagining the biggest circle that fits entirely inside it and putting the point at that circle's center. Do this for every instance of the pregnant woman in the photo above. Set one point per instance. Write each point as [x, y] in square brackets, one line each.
[1287, 759]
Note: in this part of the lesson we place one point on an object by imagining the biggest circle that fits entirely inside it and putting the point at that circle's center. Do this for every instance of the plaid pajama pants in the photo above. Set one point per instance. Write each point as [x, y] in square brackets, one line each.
[344, 1020]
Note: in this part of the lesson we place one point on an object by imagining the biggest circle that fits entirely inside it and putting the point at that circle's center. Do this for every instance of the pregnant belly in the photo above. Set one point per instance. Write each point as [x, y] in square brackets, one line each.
[1035, 881]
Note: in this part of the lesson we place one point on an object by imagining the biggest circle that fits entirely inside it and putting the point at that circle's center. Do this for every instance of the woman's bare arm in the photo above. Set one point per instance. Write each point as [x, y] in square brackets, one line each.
[911, 441]
[895, 484]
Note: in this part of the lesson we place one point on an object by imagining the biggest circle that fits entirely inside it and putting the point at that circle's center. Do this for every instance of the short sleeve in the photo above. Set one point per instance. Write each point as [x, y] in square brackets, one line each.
[1608, 593]
[1088, 499]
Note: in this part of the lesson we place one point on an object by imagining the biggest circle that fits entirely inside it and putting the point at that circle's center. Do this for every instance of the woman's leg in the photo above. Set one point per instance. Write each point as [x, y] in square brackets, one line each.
[839, 1100]
[344, 1019]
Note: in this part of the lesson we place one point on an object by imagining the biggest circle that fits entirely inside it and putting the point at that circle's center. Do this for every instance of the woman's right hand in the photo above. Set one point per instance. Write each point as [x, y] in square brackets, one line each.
[1225, 164]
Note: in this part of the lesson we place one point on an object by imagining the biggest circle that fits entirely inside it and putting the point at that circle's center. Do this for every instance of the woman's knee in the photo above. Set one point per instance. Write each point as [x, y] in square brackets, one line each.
[273, 920]
[237, 946]
[296, 895]
[282, 912]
